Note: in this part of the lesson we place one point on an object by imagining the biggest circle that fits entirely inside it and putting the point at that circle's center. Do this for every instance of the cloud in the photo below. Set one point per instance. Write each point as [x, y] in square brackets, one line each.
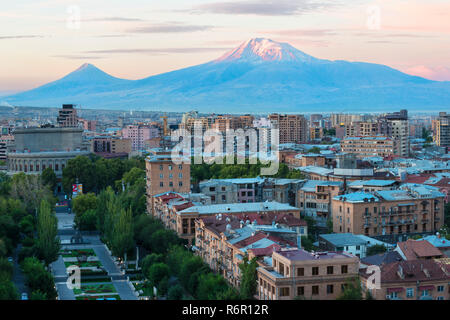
[157, 51]
[112, 19]
[77, 57]
[304, 32]
[263, 7]
[170, 28]
[20, 37]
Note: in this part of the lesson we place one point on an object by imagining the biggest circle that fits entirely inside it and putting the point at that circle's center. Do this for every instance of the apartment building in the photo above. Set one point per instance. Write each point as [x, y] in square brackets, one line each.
[111, 145]
[417, 250]
[163, 175]
[292, 128]
[292, 273]
[396, 126]
[67, 116]
[369, 146]
[411, 280]
[314, 199]
[362, 129]
[389, 214]
[223, 240]
[248, 190]
[223, 123]
[139, 134]
[179, 214]
[442, 137]
[315, 133]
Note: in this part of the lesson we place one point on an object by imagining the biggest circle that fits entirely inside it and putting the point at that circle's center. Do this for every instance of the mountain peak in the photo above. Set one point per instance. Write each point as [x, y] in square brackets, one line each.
[86, 66]
[263, 49]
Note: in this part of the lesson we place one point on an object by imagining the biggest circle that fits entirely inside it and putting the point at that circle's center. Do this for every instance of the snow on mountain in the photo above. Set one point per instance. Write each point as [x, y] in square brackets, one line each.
[260, 49]
[260, 75]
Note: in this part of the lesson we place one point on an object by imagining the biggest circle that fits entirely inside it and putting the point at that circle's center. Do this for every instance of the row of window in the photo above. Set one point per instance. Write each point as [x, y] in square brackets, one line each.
[180, 175]
[161, 184]
[31, 167]
[315, 290]
[161, 167]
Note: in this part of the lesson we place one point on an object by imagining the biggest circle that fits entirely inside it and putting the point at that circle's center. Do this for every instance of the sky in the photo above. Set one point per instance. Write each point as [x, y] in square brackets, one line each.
[43, 40]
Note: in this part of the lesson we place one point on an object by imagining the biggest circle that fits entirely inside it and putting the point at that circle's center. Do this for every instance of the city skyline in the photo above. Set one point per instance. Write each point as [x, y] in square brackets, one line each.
[137, 39]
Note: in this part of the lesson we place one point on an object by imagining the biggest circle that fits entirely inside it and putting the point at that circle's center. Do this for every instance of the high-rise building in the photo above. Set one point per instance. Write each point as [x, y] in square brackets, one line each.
[442, 137]
[163, 175]
[67, 116]
[139, 134]
[396, 125]
[292, 128]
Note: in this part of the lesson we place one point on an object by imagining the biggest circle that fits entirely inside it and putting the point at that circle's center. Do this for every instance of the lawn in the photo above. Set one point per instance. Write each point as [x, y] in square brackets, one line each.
[95, 288]
[85, 264]
[77, 252]
[99, 297]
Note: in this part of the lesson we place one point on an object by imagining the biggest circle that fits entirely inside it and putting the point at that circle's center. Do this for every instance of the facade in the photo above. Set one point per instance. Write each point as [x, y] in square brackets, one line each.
[389, 214]
[369, 146]
[292, 128]
[442, 137]
[295, 273]
[165, 176]
[396, 126]
[179, 214]
[36, 149]
[139, 134]
[411, 280]
[67, 116]
[362, 129]
[111, 145]
[314, 199]
[222, 241]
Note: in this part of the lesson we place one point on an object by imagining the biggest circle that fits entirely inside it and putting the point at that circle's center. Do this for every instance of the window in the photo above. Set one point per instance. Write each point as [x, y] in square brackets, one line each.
[161, 167]
[224, 198]
[170, 184]
[424, 293]
[330, 270]
[315, 290]
[180, 184]
[315, 271]
[300, 291]
[410, 292]
[440, 288]
[330, 289]
[300, 272]
[170, 176]
[161, 176]
[284, 292]
[440, 298]
[344, 269]
[161, 184]
[180, 175]
[170, 167]
[358, 247]
[180, 167]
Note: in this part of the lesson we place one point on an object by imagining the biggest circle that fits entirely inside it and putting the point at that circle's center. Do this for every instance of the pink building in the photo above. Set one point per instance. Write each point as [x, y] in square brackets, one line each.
[138, 134]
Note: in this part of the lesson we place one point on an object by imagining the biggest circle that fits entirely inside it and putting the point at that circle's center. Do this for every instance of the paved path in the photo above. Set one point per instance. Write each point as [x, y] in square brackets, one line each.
[18, 277]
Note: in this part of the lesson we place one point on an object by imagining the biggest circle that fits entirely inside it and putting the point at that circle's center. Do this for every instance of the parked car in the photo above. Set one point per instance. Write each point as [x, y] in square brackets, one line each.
[24, 296]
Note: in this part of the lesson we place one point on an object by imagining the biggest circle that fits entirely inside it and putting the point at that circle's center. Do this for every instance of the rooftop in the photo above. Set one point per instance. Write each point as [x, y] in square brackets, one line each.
[240, 207]
[357, 197]
[302, 255]
[343, 239]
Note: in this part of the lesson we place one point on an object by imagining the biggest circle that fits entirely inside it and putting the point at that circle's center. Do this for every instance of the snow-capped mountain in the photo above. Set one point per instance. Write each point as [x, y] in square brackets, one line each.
[260, 50]
[259, 76]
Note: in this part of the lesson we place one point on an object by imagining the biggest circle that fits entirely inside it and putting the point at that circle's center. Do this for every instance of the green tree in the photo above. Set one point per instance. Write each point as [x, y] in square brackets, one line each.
[375, 249]
[314, 150]
[352, 290]
[7, 290]
[122, 239]
[249, 278]
[38, 278]
[157, 272]
[49, 178]
[38, 295]
[83, 169]
[47, 242]
[175, 292]
[85, 204]
[31, 190]
[150, 260]
[210, 286]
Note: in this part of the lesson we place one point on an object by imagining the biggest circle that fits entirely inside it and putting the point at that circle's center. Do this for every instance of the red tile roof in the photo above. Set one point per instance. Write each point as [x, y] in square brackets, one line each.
[413, 249]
